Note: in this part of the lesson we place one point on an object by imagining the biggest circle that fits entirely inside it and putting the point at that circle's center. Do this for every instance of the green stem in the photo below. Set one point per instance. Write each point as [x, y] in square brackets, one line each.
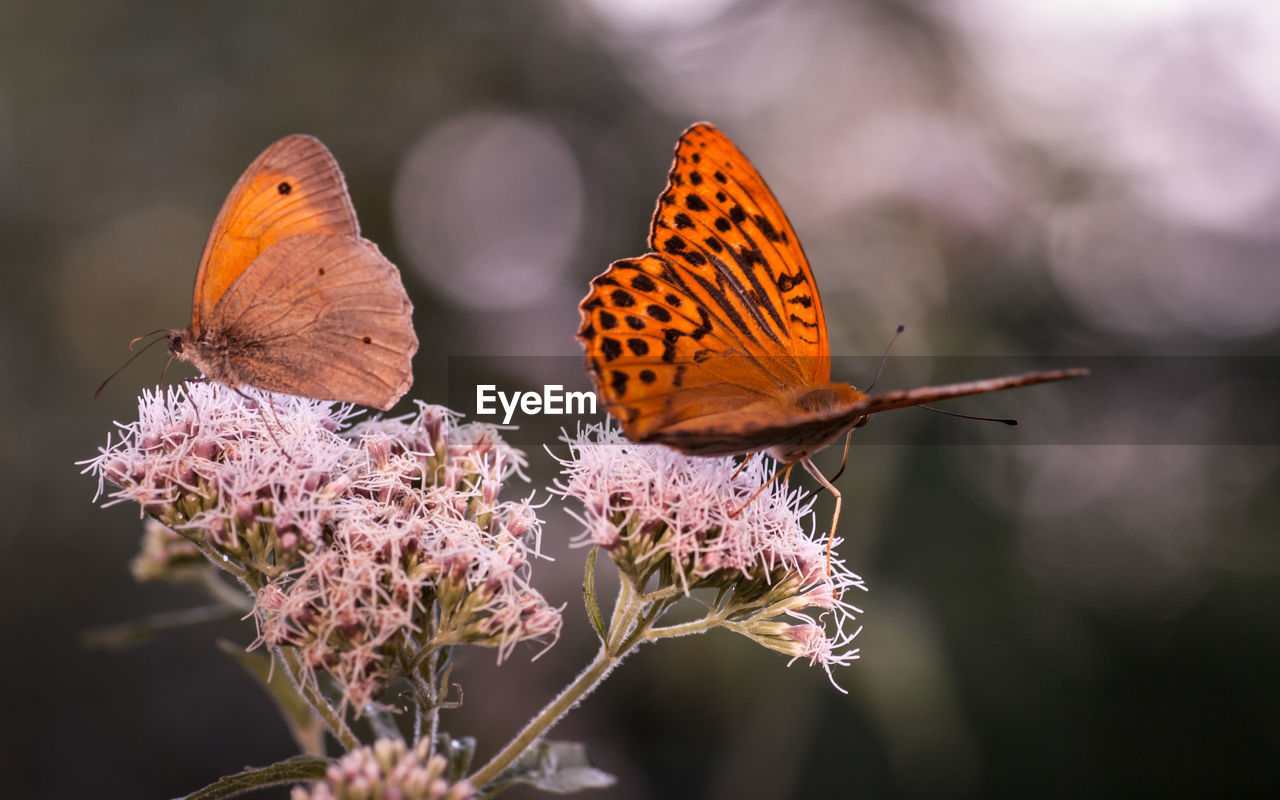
[319, 704]
[626, 609]
[685, 628]
[548, 716]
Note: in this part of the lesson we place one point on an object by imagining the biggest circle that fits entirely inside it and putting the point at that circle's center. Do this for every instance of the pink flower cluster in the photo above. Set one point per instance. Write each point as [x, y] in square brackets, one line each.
[664, 516]
[366, 548]
[387, 769]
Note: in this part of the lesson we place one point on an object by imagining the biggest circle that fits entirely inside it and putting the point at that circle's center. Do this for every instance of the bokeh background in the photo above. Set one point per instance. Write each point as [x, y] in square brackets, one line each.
[1096, 615]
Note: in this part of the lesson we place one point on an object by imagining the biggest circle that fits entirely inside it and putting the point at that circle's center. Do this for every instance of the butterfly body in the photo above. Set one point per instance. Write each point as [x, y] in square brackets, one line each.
[788, 426]
[289, 298]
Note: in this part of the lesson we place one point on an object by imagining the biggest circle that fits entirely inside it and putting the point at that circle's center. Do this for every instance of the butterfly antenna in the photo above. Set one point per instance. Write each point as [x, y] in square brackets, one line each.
[137, 339]
[844, 460]
[885, 359]
[130, 360]
[785, 472]
[936, 410]
[835, 518]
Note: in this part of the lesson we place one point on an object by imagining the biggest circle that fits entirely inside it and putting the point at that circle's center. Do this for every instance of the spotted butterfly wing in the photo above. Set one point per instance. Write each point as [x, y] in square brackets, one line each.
[722, 316]
[719, 221]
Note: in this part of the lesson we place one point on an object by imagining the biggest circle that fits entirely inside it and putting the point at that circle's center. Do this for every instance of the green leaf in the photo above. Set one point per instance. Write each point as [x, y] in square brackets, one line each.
[129, 634]
[306, 727]
[291, 770]
[557, 767]
[459, 753]
[589, 594]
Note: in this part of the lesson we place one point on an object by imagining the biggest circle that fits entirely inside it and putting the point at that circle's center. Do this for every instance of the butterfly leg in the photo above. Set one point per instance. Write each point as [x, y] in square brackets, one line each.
[784, 472]
[270, 404]
[844, 460]
[835, 518]
[745, 460]
[184, 383]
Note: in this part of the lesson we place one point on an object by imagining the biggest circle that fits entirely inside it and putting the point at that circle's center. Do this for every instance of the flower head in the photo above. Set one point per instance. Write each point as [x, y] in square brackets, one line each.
[365, 546]
[387, 768]
[686, 521]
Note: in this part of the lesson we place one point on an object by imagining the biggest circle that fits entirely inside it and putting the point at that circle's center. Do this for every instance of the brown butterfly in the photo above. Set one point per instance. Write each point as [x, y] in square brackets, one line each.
[715, 342]
[289, 298]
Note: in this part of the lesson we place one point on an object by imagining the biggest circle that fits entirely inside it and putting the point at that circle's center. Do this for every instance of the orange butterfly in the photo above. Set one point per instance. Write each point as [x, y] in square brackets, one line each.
[715, 343]
[289, 297]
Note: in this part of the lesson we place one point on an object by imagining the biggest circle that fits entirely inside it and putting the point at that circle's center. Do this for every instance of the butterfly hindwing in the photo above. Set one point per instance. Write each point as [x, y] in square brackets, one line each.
[293, 187]
[321, 316]
[718, 218]
[659, 356]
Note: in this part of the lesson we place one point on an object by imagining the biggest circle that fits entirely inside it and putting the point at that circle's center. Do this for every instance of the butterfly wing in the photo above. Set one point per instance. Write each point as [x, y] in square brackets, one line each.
[719, 219]
[317, 315]
[720, 321]
[659, 356]
[294, 187]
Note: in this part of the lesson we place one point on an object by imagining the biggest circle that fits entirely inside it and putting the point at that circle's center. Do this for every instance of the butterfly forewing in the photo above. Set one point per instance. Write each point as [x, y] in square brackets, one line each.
[321, 316]
[294, 187]
[721, 316]
[718, 218]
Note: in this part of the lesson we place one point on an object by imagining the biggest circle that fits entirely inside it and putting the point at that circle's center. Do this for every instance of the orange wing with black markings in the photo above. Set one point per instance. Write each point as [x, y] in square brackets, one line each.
[718, 218]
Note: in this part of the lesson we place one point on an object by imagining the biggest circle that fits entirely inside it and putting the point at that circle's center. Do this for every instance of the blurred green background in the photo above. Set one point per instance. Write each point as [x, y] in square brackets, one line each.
[1005, 178]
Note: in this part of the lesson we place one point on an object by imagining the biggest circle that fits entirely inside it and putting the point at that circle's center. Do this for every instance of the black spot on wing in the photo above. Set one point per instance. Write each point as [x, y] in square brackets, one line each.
[643, 283]
[788, 282]
[610, 348]
[618, 381]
